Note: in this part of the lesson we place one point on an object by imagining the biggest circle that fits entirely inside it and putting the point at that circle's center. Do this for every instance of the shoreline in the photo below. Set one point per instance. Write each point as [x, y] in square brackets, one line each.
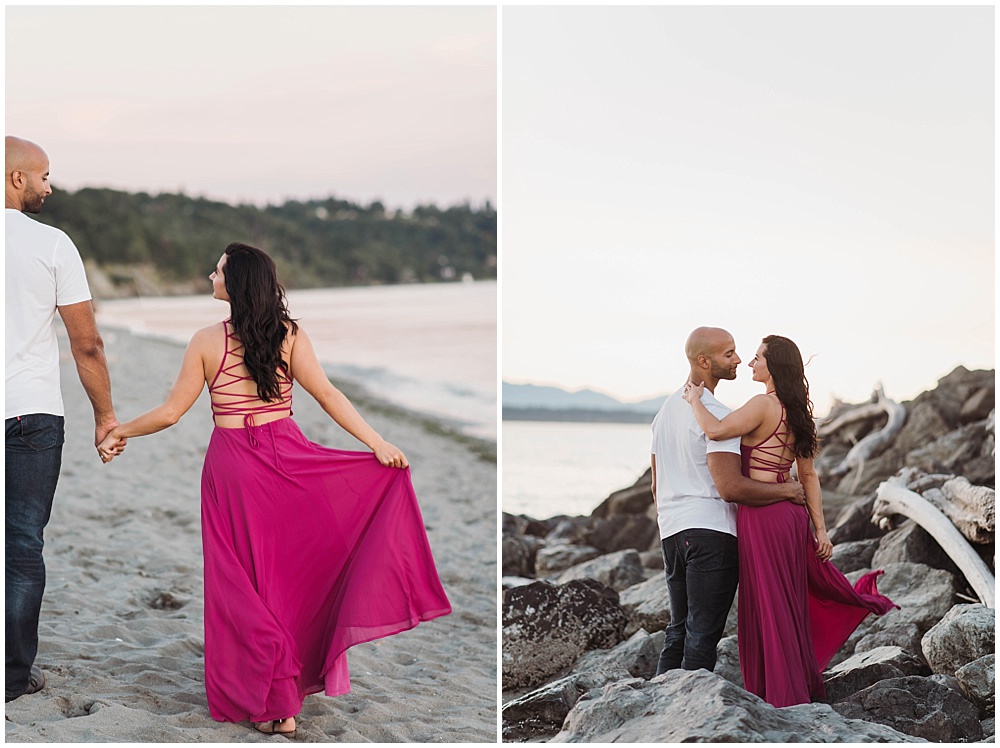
[121, 631]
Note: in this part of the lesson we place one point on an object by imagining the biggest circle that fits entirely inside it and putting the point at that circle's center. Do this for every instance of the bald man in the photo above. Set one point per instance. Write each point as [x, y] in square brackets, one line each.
[695, 484]
[44, 274]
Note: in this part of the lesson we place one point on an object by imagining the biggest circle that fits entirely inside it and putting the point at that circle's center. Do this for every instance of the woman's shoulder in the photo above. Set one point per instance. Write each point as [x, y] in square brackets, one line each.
[210, 334]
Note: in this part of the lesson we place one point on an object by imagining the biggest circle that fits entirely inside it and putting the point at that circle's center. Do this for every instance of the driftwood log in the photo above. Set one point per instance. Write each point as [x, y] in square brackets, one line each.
[893, 497]
[971, 509]
[873, 443]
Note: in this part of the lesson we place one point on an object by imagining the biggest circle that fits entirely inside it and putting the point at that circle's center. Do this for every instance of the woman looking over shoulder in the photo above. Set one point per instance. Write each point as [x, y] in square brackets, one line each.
[295, 535]
[795, 609]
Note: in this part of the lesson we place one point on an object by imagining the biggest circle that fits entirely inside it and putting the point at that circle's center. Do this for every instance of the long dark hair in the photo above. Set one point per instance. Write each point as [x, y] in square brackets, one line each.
[259, 317]
[791, 386]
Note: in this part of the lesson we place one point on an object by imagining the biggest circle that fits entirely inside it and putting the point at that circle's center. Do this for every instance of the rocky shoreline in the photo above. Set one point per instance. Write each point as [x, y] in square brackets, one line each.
[585, 604]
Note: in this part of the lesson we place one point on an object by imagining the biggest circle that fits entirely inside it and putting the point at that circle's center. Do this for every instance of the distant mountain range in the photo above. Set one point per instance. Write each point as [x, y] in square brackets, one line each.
[532, 402]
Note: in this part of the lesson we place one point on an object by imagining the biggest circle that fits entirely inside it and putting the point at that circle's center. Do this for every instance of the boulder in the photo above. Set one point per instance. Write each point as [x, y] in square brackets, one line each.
[855, 554]
[518, 555]
[727, 660]
[553, 559]
[636, 499]
[916, 706]
[855, 522]
[978, 407]
[547, 627]
[910, 543]
[638, 655]
[694, 706]
[978, 682]
[966, 633]
[906, 636]
[608, 534]
[647, 605]
[867, 668]
[616, 570]
[539, 714]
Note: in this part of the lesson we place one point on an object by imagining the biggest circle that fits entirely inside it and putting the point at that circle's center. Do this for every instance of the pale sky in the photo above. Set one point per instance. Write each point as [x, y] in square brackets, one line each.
[261, 103]
[824, 173]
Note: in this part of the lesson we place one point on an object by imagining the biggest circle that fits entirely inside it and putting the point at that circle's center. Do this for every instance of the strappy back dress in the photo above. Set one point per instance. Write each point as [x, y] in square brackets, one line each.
[308, 551]
[794, 611]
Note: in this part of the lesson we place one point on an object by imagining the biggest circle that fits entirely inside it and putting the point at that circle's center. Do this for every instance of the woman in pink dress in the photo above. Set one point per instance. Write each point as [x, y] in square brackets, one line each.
[796, 609]
[308, 550]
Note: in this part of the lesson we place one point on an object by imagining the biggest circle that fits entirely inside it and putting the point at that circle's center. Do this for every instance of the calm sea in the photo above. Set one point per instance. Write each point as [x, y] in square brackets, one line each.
[569, 468]
[430, 348]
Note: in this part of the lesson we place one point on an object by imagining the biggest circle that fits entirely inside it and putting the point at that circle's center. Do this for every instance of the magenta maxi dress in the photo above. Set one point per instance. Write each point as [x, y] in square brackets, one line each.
[794, 611]
[308, 551]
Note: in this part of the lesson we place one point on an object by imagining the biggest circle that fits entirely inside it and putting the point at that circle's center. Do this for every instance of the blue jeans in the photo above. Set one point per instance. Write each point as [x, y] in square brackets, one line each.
[702, 568]
[34, 456]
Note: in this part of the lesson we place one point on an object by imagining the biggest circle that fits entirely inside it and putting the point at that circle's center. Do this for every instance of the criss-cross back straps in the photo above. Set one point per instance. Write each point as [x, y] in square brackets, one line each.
[226, 402]
[772, 460]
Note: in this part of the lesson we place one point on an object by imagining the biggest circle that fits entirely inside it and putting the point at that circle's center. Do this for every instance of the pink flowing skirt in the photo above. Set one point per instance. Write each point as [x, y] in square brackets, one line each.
[308, 551]
[794, 610]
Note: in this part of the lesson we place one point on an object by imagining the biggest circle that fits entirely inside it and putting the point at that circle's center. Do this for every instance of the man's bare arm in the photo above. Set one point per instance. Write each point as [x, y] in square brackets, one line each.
[91, 365]
[726, 470]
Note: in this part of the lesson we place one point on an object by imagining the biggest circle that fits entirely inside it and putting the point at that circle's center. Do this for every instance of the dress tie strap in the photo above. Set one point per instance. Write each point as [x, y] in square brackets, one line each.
[248, 424]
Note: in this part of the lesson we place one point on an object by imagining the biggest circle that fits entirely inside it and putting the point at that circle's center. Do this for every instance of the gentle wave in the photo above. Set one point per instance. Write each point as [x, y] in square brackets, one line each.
[428, 348]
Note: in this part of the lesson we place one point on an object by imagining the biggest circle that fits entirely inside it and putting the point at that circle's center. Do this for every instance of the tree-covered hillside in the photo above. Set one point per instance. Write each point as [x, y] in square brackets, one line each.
[178, 239]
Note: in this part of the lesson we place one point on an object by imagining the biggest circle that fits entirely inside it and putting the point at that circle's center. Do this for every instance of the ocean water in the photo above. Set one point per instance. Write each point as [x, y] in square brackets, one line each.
[429, 348]
[551, 468]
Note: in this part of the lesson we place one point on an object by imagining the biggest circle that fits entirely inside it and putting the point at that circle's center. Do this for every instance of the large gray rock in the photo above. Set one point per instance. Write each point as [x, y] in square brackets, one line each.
[855, 522]
[910, 543]
[924, 595]
[555, 559]
[906, 636]
[855, 554]
[607, 534]
[727, 660]
[636, 499]
[695, 706]
[638, 655]
[916, 706]
[978, 682]
[966, 633]
[647, 605]
[867, 668]
[617, 570]
[518, 555]
[546, 628]
[540, 713]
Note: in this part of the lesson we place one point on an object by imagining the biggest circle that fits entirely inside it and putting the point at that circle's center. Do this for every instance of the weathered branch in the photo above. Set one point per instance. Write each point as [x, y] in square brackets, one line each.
[894, 498]
[874, 442]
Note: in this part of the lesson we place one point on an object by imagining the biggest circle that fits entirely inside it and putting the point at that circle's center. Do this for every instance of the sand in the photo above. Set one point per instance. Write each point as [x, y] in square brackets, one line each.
[122, 621]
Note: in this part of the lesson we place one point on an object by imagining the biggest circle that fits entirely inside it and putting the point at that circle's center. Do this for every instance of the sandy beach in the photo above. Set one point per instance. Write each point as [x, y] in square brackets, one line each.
[121, 626]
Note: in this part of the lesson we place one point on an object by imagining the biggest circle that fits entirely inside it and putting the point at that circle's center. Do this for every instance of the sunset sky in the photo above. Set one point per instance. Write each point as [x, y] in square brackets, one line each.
[260, 103]
[824, 173]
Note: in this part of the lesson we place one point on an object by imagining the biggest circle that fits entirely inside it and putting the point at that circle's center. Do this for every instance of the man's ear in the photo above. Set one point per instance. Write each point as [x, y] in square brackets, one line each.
[17, 178]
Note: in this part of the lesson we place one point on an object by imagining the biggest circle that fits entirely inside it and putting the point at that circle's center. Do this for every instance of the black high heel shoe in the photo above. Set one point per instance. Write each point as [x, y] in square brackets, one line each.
[271, 728]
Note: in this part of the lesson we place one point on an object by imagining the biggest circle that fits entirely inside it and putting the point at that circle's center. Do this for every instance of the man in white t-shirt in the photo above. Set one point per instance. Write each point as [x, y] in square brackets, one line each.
[695, 481]
[44, 274]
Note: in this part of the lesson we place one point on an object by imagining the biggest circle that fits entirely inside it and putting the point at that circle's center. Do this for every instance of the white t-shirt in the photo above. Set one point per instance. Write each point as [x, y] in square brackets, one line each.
[43, 270]
[686, 496]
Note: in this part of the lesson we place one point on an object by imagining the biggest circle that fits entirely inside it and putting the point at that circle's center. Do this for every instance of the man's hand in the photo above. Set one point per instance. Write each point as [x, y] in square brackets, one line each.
[101, 432]
[796, 492]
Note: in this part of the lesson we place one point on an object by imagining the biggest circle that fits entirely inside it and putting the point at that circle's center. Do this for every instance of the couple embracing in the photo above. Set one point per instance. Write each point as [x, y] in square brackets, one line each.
[721, 475]
[296, 536]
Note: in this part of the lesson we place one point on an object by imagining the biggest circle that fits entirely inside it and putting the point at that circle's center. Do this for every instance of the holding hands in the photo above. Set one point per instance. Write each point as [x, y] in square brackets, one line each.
[111, 447]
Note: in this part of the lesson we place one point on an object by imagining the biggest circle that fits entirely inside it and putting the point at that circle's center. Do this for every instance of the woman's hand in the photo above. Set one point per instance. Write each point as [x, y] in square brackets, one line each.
[824, 548]
[111, 447]
[693, 391]
[389, 455]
